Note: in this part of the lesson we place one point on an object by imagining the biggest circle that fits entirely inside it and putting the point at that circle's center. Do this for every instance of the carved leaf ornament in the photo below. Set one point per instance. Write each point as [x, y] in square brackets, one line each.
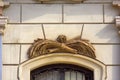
[61, 45]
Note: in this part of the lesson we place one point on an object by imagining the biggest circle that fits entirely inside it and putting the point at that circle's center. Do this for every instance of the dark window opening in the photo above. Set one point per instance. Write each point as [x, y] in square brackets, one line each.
[61, 72]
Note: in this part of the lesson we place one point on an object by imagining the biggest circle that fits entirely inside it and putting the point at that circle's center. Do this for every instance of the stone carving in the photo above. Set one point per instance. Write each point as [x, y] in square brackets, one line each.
[61, 45]
[117, 19]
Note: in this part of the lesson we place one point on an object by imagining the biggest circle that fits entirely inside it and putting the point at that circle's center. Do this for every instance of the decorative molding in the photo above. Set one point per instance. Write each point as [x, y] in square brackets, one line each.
[96, 66]
[61, 45]
[117, 18]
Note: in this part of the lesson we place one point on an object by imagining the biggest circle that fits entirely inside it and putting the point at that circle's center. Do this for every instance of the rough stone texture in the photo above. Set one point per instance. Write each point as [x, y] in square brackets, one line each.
[101, 33]
[108, 54]
[110, 13]
[17, 33]
[70, 30]
[11, 54]
[24, 50]
[9, 73]
[113, 72]
[83, 13]
[41, 13]
[13, 13]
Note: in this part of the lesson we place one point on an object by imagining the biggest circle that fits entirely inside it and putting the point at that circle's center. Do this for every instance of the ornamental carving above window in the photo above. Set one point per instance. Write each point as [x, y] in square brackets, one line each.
[61, 45]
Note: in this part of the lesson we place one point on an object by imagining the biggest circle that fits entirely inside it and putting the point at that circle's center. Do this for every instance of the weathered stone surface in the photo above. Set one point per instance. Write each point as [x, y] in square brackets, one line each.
[11, 54]
[83, 13]
[108, 54]
[13, 13]
[113, 73]
[110, 13]
[22, 33]
[70, 30]
[41, 13]
[9, 73]
[24, 51]
[101, 33]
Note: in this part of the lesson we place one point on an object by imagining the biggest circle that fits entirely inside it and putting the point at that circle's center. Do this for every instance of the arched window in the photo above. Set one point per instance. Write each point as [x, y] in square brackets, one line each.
[61, 72]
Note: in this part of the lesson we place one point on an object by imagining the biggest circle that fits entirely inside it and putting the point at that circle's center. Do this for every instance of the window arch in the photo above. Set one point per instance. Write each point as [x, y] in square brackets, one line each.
[61, 72]
[98, 68]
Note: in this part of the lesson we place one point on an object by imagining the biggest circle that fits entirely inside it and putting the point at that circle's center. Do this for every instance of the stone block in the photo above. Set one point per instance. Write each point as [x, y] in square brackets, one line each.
[101, 33]
[11, 54]
[24, 50]
[70, 30]
[113, 73]
[110, 13]
[13, 13]
[42, 13]
[108, 54]
[83, 13]
[22, 33]
[9, 73]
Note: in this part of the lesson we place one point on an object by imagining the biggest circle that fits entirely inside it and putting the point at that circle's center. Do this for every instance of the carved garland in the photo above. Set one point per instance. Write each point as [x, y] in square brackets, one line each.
[61, 45]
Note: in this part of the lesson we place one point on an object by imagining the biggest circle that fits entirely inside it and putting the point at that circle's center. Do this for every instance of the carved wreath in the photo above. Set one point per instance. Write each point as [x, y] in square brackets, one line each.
[61, 45]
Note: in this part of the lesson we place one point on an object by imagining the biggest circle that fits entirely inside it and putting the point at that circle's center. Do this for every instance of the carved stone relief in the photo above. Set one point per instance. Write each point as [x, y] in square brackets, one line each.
[61, 45]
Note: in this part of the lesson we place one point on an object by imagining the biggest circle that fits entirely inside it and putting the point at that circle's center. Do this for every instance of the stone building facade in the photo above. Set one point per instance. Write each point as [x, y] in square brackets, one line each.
[94, 20]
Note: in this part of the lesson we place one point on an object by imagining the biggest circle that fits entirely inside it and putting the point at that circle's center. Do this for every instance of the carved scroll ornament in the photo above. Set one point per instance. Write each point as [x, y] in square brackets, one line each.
[61, 45]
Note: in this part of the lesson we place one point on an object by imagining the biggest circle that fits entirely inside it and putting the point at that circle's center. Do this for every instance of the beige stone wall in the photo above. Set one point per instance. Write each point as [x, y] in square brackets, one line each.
[92, 20]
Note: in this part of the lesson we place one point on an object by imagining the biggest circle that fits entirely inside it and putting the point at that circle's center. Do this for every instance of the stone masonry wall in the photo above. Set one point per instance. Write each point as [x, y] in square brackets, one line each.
[92, 20]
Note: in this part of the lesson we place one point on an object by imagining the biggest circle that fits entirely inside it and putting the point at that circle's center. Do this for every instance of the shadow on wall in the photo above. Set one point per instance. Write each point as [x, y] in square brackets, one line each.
[116, 54]
[109, 33]
[115, 74]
